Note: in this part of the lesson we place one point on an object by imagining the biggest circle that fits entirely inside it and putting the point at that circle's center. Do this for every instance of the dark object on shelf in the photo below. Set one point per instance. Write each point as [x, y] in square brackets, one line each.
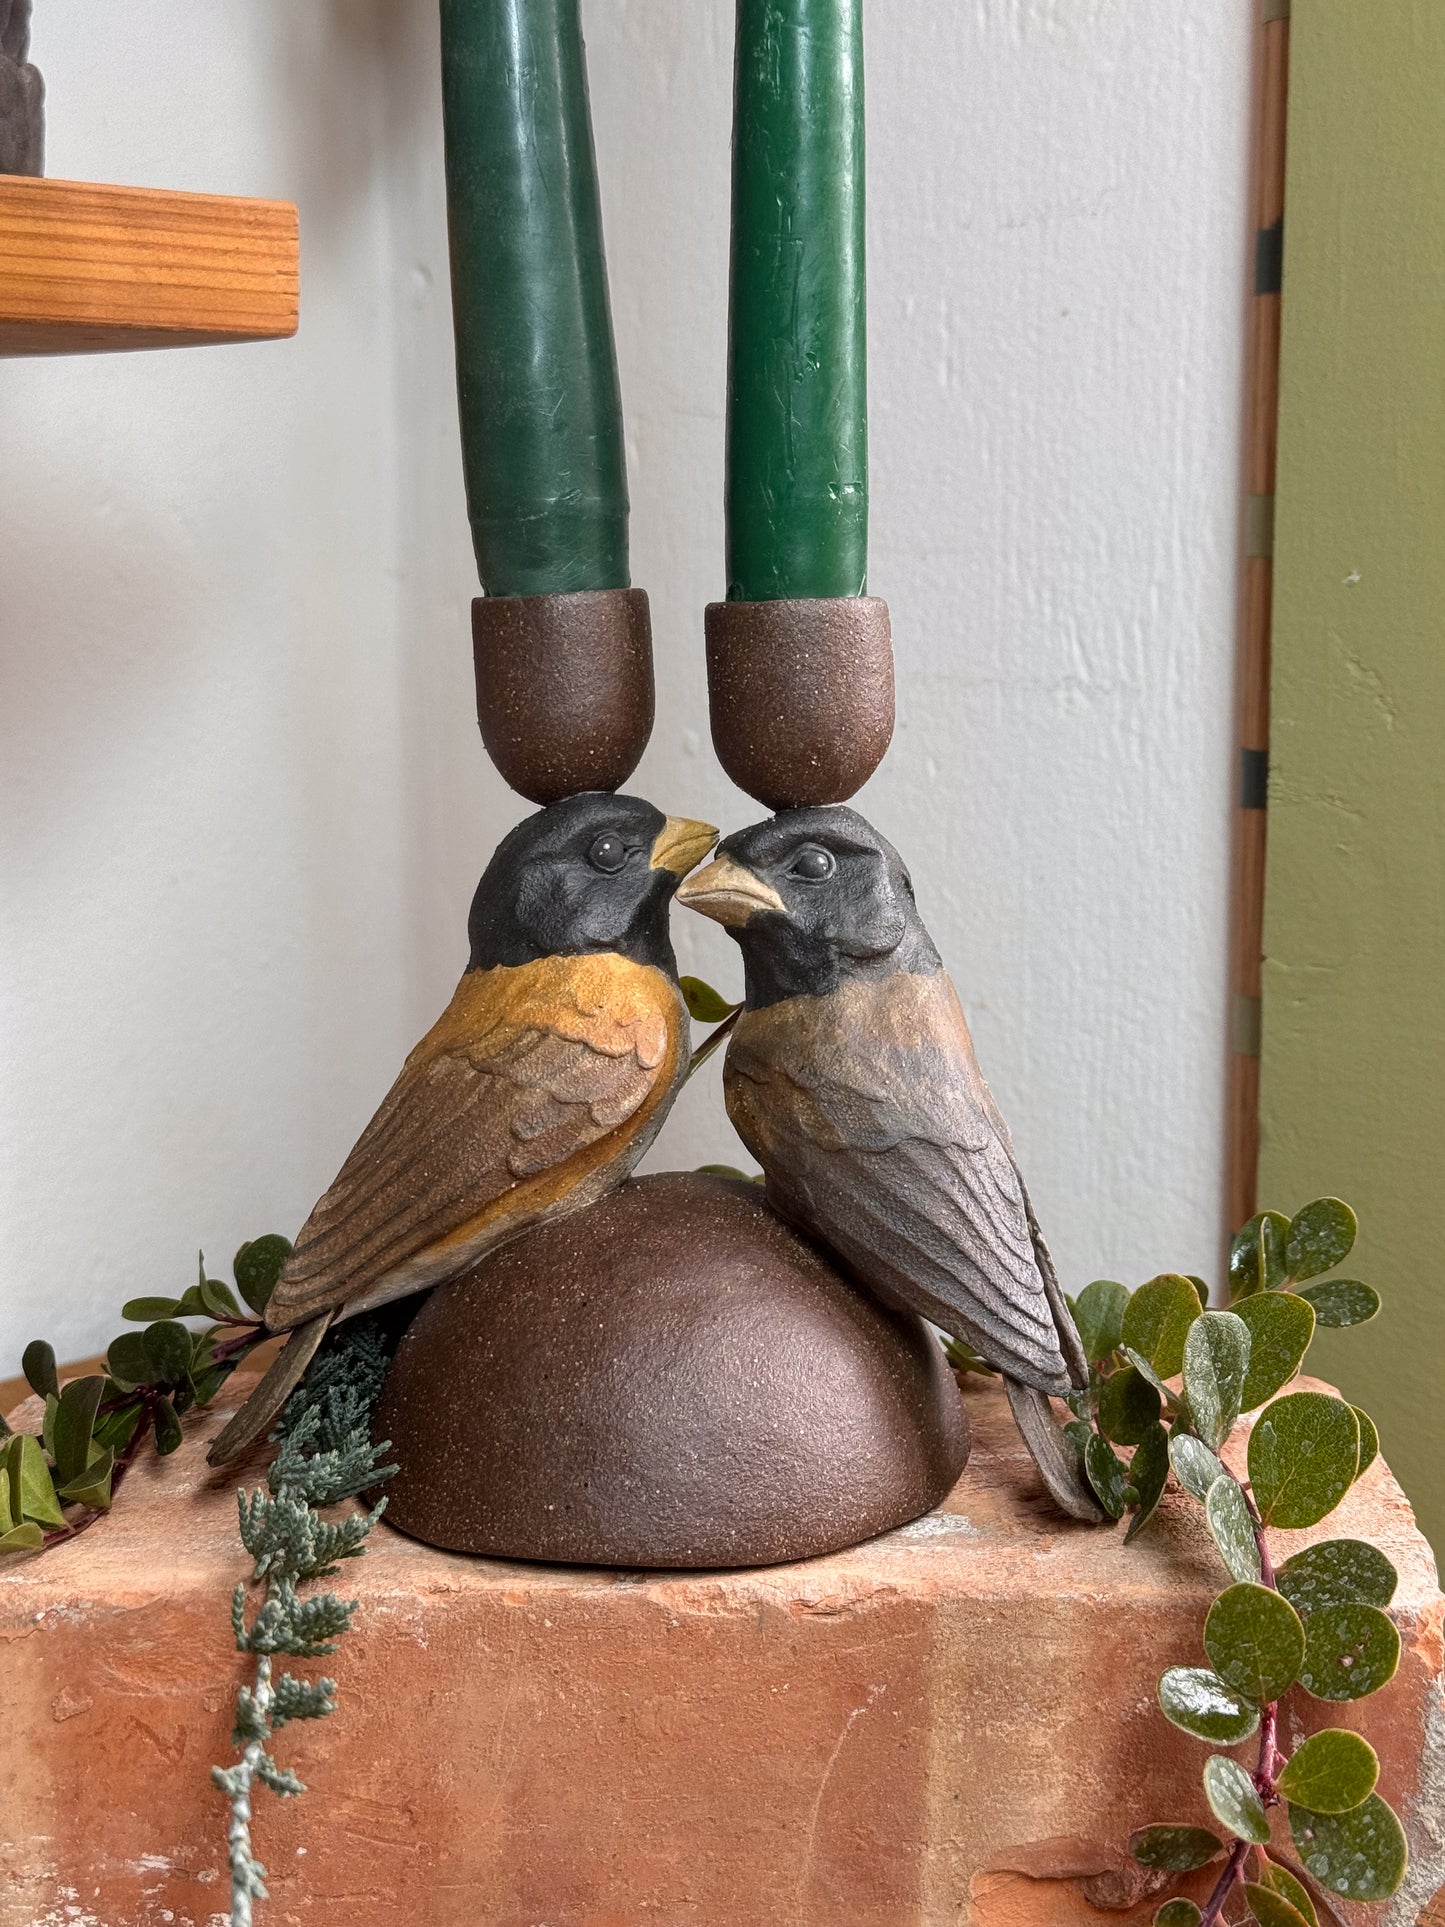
[22, 95]
[564, 688]
[851, 1078]
[674, 1378]
[536, 1091]
[801, 695]
[541, 414]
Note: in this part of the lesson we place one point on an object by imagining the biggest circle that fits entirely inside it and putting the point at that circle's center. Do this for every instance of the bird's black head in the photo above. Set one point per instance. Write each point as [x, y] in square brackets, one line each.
[813, 897]
[593, 872]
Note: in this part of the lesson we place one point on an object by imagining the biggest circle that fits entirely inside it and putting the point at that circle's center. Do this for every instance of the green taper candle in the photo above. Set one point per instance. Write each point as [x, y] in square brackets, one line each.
[797, 435]
[537, 385]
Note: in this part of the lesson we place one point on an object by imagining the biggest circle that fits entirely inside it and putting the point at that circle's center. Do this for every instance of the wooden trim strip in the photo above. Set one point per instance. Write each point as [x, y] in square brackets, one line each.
[1250, 818]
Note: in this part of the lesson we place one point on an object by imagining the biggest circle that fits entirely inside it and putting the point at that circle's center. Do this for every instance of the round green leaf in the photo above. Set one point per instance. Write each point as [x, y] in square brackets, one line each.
[1360, 1855]
[1256, 1256]
[704, 1004]
[1271, 1909]
[1216, 1358]
[192, 1304]
[168, 1347]
[1342, 1301]
[1201, 1289]
[1157, 1320]
[168, 1427]
[1330, 1773]
[1337, 1572]
[1350, 1652]
[1178, 1913]
[144, 1310]
[1303, 1453]
[1148, 1475]
[37, 1362]
[1147, 1372]
[128, 1359]
[74, 1425]
[1233, 1800]
[32, 1489]
[1105, 1474]
[1099, 1316]
[1279, 1880]
[1255, 1642]
[1232, 1530]
[1369, 1441]
[1281, 1326]
[23, 1538]
[92, 1486]
[117, 1428]
[1195, 1466]
[218, 1299]
[258, 1265]
[1199, 1703]
[722, 1171]
[1321, 1236]
[1174, 1849]
[1128, 1407]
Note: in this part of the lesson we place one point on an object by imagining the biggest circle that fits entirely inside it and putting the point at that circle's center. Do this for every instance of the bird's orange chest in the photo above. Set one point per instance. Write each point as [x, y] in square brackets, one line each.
[603, 1000]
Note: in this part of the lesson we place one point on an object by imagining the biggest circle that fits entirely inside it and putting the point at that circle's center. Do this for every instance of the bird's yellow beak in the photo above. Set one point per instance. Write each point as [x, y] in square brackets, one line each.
[729, 894]
[681, 843]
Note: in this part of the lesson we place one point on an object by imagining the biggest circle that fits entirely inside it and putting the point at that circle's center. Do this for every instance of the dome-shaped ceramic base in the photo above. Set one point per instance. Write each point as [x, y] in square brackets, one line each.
[671, 1377]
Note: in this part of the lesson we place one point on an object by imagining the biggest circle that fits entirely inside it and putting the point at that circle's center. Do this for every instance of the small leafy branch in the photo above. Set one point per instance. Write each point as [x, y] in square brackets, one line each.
[707, 1006]
[325, 1459]
[1169, 1379]
[53, 1488]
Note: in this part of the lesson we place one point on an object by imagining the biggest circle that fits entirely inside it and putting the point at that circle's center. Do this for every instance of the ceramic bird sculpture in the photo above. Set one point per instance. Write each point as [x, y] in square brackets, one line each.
[536, 1091]
[851, 1078]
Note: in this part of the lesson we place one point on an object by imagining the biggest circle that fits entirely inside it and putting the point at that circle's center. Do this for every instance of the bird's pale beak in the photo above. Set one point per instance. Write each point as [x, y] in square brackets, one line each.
[681, 843]
[729, 894]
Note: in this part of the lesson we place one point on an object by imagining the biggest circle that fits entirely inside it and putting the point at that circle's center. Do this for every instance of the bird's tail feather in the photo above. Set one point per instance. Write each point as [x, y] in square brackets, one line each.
[261, 1409]
[1053, 1453]
[1070, 1344]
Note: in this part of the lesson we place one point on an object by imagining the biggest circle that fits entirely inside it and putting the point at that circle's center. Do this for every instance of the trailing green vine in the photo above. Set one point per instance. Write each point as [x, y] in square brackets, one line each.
[325, 1457]
[1169, 1381]
[95, 1427]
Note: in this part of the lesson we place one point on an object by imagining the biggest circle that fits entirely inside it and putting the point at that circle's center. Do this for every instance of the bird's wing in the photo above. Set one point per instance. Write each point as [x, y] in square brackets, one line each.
[532, 1081]
[876, 1130]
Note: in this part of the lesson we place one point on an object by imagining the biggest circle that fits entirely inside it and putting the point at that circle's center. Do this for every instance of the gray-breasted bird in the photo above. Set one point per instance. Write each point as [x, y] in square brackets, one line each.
[851, 1077]
[536, 1092]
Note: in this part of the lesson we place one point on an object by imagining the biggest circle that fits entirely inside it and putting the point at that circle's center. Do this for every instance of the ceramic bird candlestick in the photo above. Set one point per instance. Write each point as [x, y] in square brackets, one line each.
[851, 1077]
[536, 1091]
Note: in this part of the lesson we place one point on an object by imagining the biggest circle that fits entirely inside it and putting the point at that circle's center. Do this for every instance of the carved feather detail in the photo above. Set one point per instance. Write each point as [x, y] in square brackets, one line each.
[536, 1082]
[868, 1112]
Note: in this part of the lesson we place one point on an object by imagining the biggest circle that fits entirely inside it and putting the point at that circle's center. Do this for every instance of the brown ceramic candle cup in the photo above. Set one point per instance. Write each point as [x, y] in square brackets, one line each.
[801, 694]
[564, 688]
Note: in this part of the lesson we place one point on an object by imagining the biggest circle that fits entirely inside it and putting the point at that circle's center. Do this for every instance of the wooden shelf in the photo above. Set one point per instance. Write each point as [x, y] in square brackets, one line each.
[87, 269]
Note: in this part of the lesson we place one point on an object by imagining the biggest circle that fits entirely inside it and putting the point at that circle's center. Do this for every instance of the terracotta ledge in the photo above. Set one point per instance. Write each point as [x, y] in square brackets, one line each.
[955, 1723]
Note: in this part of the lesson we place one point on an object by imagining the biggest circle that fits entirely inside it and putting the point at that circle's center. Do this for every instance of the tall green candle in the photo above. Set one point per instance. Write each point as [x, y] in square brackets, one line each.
[541, 414]
[797, 435]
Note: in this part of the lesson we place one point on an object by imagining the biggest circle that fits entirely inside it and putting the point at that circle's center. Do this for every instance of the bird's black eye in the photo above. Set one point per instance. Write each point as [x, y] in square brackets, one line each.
[812, 864]
[608, 853]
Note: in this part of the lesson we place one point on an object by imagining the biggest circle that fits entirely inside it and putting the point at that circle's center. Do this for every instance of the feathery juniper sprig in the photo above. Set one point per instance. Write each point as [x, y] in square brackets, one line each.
[325, 1456]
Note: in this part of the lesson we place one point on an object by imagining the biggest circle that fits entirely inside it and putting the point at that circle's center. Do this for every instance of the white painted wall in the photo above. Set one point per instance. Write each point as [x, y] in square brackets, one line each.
[242, 800]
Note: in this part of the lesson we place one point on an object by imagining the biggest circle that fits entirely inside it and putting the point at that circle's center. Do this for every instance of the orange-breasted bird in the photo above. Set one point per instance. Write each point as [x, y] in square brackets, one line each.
[536, 1092]
[851, 1077]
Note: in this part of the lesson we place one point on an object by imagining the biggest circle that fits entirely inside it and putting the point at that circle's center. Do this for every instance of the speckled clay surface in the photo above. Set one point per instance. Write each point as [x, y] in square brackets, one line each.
[801, 695]
[564, 688]
[671, 1378]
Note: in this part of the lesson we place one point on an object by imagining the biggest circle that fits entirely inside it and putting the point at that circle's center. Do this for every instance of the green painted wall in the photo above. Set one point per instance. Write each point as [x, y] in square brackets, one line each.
[1354, 988]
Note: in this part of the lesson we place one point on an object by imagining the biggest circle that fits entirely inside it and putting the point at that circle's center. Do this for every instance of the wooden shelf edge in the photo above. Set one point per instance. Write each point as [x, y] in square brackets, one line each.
[87, 268]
